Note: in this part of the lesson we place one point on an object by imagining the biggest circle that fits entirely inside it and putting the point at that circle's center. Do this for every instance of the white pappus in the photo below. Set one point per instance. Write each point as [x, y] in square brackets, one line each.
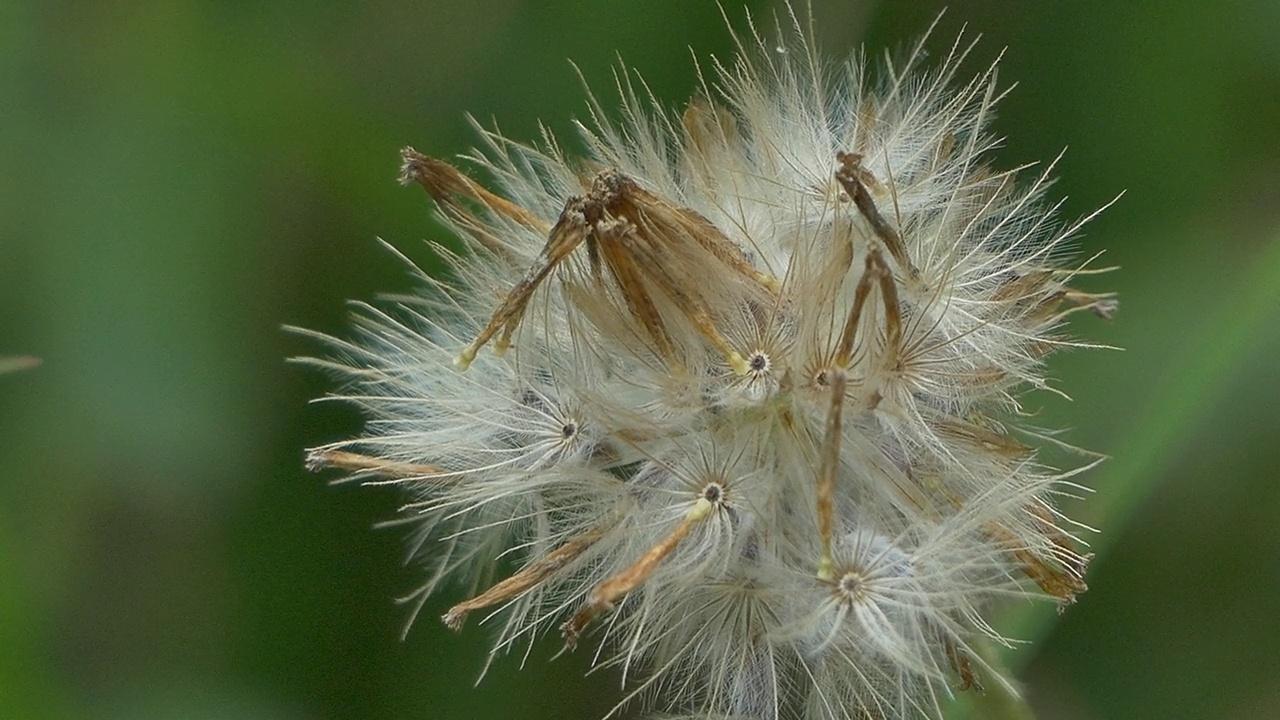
[734, 395]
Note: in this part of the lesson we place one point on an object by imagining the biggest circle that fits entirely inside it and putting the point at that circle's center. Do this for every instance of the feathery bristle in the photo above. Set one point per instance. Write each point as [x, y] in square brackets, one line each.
[741, 409]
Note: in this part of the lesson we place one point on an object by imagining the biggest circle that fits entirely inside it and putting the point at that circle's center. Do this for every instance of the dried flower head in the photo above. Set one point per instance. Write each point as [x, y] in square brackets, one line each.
[730, 394]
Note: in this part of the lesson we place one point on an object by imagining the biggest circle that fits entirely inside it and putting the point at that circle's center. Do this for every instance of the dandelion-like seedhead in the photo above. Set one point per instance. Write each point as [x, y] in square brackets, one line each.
[730, 396]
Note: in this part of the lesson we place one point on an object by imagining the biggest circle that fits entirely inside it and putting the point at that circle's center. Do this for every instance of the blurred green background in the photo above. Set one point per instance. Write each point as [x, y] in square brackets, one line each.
[179, 178]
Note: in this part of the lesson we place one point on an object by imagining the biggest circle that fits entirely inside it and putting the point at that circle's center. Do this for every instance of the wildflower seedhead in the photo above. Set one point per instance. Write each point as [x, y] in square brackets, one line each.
[731, 393]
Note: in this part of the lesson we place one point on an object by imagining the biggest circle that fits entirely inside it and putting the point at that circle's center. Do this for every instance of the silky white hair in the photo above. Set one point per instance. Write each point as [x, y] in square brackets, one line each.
[749, 415]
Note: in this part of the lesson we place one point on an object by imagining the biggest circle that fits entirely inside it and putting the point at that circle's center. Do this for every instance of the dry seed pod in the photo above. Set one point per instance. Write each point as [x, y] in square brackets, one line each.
[746, 417]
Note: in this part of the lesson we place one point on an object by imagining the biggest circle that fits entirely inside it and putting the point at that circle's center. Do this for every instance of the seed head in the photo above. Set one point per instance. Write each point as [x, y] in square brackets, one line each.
[733, 393]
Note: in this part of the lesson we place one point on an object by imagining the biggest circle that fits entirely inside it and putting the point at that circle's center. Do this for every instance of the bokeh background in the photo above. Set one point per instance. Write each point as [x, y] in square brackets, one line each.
[179, 178]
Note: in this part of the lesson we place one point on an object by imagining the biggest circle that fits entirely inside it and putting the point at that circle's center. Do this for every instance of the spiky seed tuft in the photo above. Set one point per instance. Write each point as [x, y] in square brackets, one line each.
[753, 425]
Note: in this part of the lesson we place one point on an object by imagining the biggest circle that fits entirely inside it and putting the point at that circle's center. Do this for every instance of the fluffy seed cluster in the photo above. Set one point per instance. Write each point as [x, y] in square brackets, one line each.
[729, 396]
